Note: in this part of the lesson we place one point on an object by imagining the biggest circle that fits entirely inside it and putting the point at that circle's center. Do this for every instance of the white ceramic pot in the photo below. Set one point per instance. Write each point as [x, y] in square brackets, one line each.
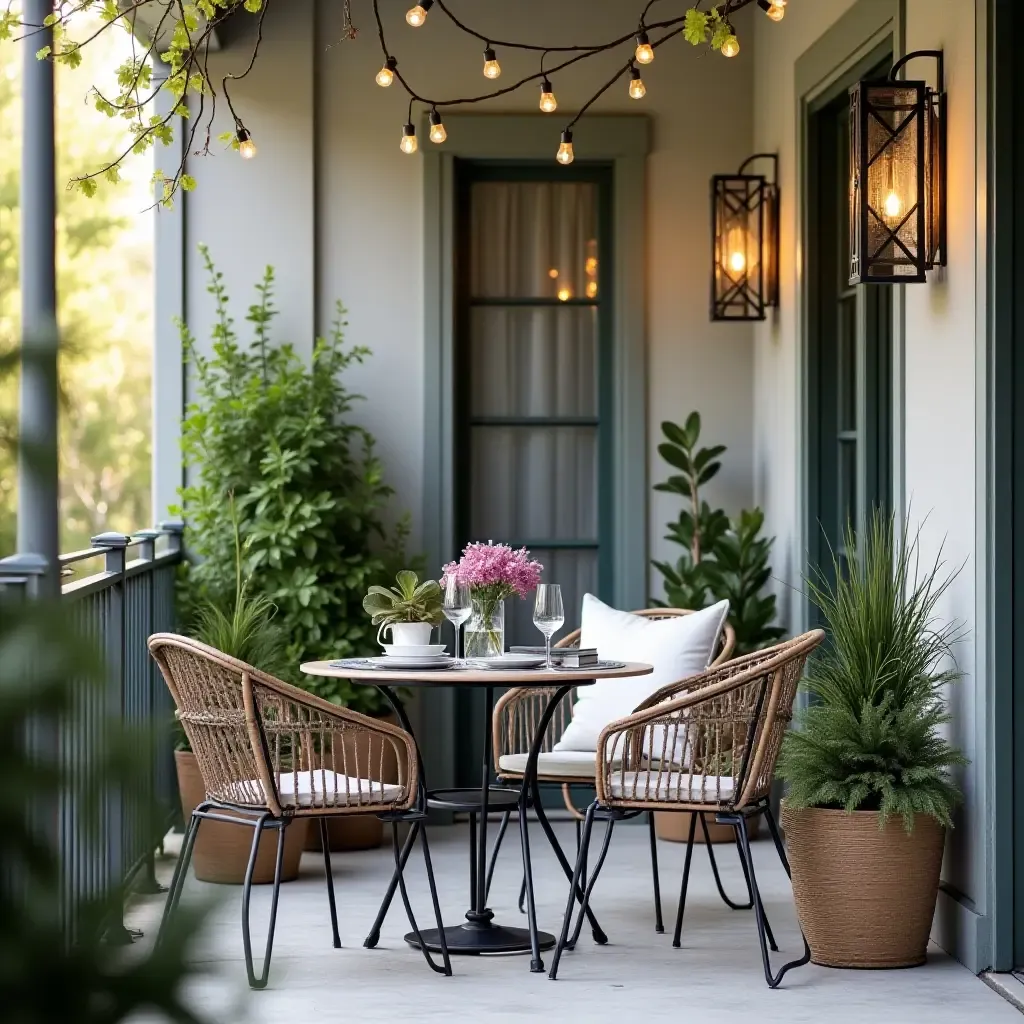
[407, 634]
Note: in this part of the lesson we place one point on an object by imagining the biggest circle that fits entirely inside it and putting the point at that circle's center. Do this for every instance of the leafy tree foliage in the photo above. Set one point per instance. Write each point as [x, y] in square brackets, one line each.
[104, 307]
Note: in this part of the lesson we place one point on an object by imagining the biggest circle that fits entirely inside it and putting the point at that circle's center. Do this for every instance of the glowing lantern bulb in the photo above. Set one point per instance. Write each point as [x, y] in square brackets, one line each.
[731, 46]
[564, 294]
[415, 16]
[409, 143]
[492, 69]
[893, 205]
[737, 262]
[386, 75]
[246, 147]
[565, 154]
[637, 89]
[776, 12]
[644, 52]
[548, 103]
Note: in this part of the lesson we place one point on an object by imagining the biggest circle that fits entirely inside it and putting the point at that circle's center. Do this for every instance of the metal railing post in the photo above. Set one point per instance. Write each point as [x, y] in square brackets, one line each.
[115, 547]
[22, 571]
[147, 882]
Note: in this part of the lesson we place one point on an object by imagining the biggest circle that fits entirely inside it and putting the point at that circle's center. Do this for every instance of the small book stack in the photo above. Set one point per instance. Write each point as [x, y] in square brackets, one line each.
[566, 657]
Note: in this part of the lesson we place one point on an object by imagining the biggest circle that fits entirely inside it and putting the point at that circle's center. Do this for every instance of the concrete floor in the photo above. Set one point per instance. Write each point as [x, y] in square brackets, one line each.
[715, 977]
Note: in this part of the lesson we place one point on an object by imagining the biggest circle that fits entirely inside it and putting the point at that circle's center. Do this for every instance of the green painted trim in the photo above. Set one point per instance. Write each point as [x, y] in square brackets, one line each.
[854, 44]
[1003, 512]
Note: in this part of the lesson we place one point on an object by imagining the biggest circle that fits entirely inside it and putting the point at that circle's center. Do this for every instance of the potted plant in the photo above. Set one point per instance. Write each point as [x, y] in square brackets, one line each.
[871, 792]
[493, 572]
[244, 627]
[721, 559]
[410, 611]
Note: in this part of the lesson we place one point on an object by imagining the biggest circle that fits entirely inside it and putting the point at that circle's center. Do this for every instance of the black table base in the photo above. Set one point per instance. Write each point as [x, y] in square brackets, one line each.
[477, 938]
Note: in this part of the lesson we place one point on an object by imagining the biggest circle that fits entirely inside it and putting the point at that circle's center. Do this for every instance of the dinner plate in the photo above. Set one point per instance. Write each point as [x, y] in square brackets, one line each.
[395, 662]
[414, 651]
[506, 661]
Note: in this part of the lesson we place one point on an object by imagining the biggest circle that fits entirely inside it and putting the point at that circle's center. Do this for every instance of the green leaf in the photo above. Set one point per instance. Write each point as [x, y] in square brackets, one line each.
[43, 52]
[675, 456]
[695, 27]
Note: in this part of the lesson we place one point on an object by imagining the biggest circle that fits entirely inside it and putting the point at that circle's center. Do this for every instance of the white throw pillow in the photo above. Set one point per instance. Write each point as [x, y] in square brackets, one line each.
[678, 647]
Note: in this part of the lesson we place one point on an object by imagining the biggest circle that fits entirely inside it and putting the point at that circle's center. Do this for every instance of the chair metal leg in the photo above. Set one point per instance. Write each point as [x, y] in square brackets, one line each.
[714, 869]
[373, 937]
[536, 964]
[261, 981]
[326, 843]
[659, 925]
[180, 875]
[588, 824]
[593, 881]
[773, 980]
[677, 934]
[442, 938]
[447, 969]
[494, 853]
[522, 895]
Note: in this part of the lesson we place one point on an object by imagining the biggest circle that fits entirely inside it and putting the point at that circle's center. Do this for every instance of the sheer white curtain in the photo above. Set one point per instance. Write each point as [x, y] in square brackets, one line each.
[536, 482]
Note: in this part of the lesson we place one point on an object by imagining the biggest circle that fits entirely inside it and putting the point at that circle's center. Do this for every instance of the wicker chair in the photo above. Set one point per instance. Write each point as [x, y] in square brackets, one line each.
[515, 718]
[270, 754]
[708, 744]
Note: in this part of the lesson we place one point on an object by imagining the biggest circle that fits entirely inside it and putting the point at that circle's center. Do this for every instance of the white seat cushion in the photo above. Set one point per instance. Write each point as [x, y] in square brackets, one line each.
[678, 647]
[328, 789]
[574, 763]
[672, 786]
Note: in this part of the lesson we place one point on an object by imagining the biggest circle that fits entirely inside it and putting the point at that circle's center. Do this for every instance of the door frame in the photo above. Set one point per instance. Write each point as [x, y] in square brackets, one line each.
[852, 47]
[623, 141]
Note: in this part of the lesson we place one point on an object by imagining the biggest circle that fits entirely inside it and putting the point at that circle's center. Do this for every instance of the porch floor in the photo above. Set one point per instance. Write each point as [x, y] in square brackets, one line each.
[715, 977]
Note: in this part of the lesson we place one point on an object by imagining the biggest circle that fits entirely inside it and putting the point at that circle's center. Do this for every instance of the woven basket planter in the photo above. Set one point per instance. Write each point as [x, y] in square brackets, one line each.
[222, 851]
[865, 896]
[674, 827]
[358, 831]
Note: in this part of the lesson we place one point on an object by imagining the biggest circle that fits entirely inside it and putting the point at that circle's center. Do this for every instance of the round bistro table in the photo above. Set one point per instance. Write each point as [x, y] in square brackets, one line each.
[480, 934]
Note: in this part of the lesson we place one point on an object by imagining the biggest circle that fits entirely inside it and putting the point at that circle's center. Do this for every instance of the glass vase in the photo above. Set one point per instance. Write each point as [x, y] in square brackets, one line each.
[485, 630]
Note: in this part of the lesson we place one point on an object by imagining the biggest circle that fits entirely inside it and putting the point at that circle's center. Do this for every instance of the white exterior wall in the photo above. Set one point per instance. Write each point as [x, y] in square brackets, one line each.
[331, 133]
[940, 458]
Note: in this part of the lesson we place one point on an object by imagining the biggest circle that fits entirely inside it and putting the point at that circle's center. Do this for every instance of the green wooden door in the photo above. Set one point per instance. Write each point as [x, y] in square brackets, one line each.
[533, 338]
[849, 356]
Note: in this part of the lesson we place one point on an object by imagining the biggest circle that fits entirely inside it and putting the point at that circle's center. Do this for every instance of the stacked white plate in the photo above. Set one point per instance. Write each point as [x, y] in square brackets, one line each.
[504, 662]
[414, 657]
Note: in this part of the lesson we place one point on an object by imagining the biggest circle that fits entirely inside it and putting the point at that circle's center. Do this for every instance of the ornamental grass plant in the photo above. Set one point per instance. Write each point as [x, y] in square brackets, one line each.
[870, 740]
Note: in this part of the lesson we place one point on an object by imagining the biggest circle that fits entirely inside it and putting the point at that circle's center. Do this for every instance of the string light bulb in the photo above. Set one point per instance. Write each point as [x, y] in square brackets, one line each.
[565, 154]
[774, 9]
[415, 16]
[548, 103]
[409, 143]
[492, 69]
[246, 147]
[637, 89]
[564, 293]
[386, 75]
[644, 51]
[731, 46]
[437, 132]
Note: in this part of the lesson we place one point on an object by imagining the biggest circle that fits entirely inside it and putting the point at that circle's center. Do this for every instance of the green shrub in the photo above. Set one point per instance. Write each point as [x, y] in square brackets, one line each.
[274, 431]
[870, 740]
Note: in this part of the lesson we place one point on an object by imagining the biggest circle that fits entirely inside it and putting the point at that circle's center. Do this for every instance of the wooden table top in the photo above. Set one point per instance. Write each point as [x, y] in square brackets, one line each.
[476, 676]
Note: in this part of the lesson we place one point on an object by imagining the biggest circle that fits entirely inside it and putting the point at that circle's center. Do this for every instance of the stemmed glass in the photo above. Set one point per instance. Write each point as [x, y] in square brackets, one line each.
[548, 614]
[457, 606]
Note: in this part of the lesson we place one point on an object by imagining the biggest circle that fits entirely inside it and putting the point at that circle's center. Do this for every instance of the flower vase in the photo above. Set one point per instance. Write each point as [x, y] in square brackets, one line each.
[485, 630]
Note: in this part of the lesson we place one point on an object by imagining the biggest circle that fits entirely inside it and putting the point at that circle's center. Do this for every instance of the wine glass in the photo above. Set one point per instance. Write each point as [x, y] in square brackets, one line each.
[548, 613]
[457, 606]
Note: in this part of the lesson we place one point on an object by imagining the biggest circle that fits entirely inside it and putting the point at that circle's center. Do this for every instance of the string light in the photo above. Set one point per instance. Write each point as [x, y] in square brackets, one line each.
[731, 46]
[418, 14]
[492, 69]
[644, 51]
[386, 75]
[775, 9]
[246, 147]
[564, 293]
[591, 289]
[553, 273]
[437, 132]
[548, 103]
[637, 89]
[565, 154]
[409, 143]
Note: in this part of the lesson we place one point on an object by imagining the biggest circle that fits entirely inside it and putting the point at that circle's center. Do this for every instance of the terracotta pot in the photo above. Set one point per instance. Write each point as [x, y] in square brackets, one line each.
[358, 831]
[221, 852]
[675, 828]
[865, 896]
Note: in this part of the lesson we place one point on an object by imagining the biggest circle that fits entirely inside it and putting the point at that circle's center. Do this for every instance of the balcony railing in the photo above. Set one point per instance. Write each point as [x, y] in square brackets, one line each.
[118, 607]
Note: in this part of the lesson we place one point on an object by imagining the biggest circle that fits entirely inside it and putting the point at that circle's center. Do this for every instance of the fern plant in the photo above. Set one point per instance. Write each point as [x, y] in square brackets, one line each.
[870, 739]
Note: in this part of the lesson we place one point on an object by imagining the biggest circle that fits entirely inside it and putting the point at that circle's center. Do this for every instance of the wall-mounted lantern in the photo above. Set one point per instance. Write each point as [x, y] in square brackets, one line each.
[898, 177]
[745, 242]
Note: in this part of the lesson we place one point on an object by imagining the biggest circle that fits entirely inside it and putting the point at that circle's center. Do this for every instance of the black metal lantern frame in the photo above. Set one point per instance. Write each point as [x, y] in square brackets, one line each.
[745, 242]
[897, 177]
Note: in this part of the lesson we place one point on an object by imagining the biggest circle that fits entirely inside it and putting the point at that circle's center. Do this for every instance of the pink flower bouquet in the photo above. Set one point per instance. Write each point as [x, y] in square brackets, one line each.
[493, 572]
